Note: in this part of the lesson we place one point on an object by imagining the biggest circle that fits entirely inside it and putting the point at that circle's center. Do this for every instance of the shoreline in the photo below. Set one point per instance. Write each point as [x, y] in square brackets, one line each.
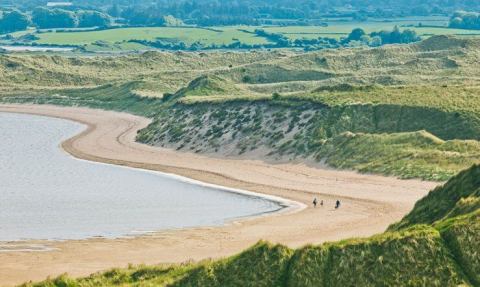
[370, 202]
[285, 205]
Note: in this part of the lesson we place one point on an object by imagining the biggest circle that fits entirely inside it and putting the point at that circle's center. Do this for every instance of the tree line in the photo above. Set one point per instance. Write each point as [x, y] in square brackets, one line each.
[465, 20]
[358, 37]
[43, 18]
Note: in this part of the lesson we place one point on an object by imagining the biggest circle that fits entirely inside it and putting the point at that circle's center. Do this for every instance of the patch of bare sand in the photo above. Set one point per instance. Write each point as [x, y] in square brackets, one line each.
[369, 202]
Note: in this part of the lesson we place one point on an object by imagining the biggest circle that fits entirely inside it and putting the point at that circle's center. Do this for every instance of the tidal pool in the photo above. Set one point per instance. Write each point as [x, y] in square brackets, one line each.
[47, 194]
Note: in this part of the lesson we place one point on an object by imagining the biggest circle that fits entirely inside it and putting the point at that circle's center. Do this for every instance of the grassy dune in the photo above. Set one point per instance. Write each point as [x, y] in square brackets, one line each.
[437, 244]
[380, 106]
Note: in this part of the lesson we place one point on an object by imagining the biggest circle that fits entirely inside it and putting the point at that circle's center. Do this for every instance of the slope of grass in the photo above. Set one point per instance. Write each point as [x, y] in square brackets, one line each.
[210, 85]
[393, 260]
[444, 199]
[387, 139]
[262, 265]
[161, 275]
[462, 235]
[408, 155]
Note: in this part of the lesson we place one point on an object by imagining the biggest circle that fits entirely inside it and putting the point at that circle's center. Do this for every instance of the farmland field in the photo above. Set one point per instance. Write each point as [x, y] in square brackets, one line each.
[189, 35]
[343, 29]
[140, 38]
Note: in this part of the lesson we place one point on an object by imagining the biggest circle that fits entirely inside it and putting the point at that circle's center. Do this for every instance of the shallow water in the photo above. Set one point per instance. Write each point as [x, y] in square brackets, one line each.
[35, 49]
[47, 194]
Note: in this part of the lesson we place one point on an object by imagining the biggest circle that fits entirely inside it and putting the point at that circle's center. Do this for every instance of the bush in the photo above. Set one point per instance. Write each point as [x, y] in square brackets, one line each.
[13, 21]
[55, 18]
[93, 19]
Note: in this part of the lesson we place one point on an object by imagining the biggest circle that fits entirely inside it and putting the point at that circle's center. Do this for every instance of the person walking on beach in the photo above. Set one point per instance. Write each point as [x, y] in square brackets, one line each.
[321, 202]
[314, 202]
[337, 204]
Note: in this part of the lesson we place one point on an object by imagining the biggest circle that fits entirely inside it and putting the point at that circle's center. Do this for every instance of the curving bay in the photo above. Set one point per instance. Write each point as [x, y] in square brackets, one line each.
[47, 194]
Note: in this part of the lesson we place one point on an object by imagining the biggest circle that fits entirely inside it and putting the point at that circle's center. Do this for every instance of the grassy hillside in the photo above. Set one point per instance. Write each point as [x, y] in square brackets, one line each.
[405, 110]
[444, 252]
[369, 138]
[459, 195]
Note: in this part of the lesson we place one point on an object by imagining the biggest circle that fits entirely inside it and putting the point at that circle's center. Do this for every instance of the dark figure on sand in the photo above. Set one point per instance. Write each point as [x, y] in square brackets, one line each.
[337, 204]
[314, 202]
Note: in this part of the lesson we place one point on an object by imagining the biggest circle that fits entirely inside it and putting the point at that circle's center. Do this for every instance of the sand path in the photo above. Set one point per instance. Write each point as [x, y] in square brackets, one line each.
[369, 203]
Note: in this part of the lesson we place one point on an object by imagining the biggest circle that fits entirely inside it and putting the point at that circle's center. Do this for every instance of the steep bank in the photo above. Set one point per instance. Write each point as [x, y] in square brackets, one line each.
[410, 142]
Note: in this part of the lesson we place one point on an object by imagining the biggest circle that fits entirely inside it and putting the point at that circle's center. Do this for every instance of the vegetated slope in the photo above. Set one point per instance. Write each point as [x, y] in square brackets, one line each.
[210, 86]
[459, 195]
[384, 139]
[358, 92]
[444, 252]
[283, 105]
[159, 72]
[439, 60]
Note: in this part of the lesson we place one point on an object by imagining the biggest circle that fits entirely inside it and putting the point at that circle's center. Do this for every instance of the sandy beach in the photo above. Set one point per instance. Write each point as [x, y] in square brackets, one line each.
[369, 203]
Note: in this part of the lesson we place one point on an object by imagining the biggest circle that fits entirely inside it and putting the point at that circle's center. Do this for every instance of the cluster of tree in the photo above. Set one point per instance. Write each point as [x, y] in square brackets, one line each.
[198, 46]
[137, 16]
[254, 12]
[375, 39]
[258, 12]
[465, 20]
[281, 41]
[355, 38]
[43, 18]
[13, 21]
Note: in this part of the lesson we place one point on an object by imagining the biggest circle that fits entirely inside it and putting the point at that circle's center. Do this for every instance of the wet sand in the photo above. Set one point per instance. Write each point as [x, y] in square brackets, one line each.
[369, 203]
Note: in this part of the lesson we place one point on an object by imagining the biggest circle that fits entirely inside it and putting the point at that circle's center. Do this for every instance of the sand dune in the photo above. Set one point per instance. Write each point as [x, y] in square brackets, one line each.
[369, 203]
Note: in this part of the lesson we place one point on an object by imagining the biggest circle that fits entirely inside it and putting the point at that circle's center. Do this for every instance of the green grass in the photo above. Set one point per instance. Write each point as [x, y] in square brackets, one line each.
[463, 238]
[448, 97]
[188, 35]
[440, 202]
[261, 265]
[408, 155]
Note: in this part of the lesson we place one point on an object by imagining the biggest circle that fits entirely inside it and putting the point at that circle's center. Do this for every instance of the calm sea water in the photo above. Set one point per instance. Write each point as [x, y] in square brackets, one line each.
[47, 194]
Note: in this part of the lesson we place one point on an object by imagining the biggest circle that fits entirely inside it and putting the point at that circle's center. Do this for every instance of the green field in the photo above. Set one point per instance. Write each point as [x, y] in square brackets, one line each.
[118, 39]
[228, 35]
[339, 30]
[217, 36]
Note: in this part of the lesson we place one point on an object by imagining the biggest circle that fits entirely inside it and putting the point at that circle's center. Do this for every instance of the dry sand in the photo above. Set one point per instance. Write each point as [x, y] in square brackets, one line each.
[369, 203]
